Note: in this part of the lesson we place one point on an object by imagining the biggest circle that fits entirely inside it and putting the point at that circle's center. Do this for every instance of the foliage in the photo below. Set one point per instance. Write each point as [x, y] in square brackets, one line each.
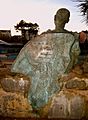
[32, 28]
[83, 5]
[28, 30]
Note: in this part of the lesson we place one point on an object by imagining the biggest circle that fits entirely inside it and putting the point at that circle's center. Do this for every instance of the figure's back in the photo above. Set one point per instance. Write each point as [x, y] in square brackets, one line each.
[44, 59]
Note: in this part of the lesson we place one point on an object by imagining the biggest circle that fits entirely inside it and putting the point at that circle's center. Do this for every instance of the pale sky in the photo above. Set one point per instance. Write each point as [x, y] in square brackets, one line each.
[38, 11]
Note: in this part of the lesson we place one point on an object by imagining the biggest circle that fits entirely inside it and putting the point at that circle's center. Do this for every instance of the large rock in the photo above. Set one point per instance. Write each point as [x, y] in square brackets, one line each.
[72, 101]
[77, 79]
[76, 83]
[45, 58]
[14, 105]
[16, 83]
[67, 105]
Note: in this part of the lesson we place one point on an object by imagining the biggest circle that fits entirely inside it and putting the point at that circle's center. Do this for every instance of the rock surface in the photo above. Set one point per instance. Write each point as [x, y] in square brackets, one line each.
[76, 83]
[14, 105]
[44, 59]
[68, 105]
[72, 101]
[13, 95]
[17, 83]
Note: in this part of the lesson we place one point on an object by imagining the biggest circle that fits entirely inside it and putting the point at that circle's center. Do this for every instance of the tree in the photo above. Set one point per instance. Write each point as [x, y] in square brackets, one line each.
[28, 30]
[83, 5]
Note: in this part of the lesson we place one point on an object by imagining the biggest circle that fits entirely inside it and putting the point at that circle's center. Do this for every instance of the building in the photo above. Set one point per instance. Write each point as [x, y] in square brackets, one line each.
[5, 35]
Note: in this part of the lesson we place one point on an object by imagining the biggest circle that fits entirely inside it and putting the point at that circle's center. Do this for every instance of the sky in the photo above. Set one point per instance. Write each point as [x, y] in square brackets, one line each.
[38, 11]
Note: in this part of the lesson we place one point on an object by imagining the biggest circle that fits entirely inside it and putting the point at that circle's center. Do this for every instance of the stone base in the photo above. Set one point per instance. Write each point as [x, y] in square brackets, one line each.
[67, 105]
[14, 105]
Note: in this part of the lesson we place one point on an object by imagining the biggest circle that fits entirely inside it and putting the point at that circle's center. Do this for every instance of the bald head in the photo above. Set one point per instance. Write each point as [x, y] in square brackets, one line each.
[61, 17]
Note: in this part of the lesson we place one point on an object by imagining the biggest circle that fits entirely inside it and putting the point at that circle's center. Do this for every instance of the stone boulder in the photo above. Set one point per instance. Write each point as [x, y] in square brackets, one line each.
[44, 59]
[77, 83]
[14, 95]
[68, 104]
[14, 105]
[72, 101]
[16, 83]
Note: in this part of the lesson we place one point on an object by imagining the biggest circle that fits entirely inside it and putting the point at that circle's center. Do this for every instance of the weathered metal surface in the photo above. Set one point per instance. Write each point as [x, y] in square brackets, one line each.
[44, 59]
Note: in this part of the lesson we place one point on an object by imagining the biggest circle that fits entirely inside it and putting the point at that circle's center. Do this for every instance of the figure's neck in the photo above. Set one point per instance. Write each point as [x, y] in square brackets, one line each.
[60, 27]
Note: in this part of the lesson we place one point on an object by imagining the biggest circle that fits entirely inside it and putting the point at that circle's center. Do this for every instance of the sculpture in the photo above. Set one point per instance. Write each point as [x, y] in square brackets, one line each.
[47, 57]
[60, 19]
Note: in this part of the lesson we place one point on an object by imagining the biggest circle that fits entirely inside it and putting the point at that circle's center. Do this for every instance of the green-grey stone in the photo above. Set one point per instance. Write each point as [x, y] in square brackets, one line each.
[44, 59]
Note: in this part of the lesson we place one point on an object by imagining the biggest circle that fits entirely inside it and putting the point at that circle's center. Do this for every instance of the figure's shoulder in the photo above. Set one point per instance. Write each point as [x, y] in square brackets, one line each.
[48, 31]
[57, 32]
[76, 35]
[64, 31]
